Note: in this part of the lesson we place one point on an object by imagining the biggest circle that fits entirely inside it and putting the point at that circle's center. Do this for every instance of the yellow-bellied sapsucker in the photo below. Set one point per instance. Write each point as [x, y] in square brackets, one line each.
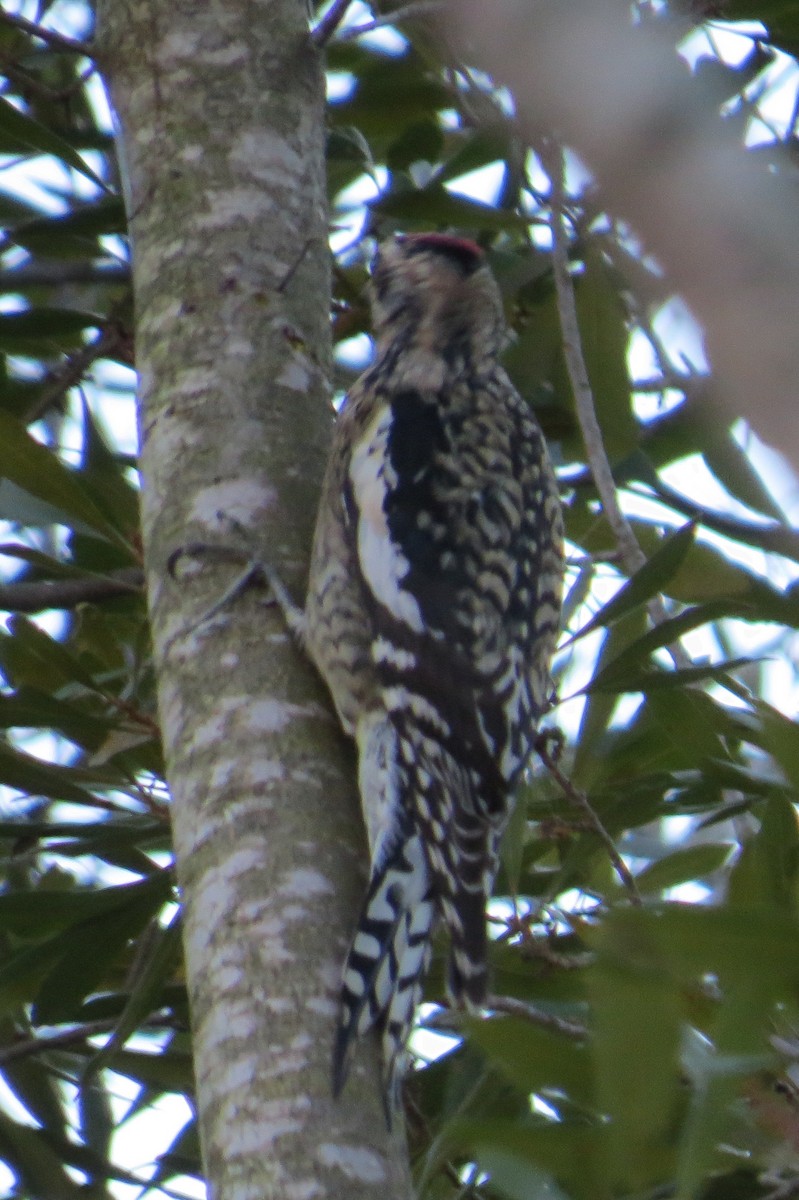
[432, 611]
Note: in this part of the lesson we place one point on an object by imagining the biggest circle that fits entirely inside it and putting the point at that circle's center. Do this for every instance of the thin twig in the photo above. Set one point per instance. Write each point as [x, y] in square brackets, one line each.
[28, 85]
[137, 715]
[669, 379]
[632, 553]
[54, 272]
[111, 338]
[323, 32]
[66, 1037]
[581, 801]
[59, 40]
[68, 593]
[451, 1019]
[530, 944]
[539, 951]
[418, 9]
[632, 556]
[536, 1016]
[775, 538]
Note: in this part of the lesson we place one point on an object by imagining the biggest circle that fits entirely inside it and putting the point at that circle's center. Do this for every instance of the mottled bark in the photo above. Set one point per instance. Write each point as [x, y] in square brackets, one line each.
[220, 109]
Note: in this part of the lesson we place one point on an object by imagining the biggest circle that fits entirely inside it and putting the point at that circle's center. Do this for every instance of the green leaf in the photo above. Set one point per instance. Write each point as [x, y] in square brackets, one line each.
[103, 476]
[766, 870]
[734, 942]
[600, 707]
[43, 332]
[72, 234]
[30, 709]
[706, 575]
[535, 1059]
[775, 537]
[665, 633]
[182, 1157]
[419, 142]
[577, 594]
[47, 658]
[474, 148]
[32, 1083]
[119, 840]
[740, 1050]
[82, 955]
[21, 507]
[35, 914]
[534, 362]
[37, 1165]
[512, 845]
[647, 582]
[434, 205]
[35, 468]
[33, 136]
[50, 566]
[781, 738]
[662, 950]
[95, 1117]
[169, 1071]
[690, 724]
[14, 208]
[565, 1150]
[734, 471]
[635, 1005]
[146, 992]
[687, 863]
[516, 1179]
[33, 777]
[781, 18]
[390, 94]
[611, 679]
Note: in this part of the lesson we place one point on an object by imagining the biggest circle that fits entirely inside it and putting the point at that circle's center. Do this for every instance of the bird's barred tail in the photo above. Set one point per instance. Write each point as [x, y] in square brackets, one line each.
[464, 908]
[387, 963]
[459, 838]
[437, 865]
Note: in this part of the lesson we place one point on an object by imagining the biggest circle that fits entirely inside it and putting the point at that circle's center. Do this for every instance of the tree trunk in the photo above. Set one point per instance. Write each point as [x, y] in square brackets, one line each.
[221, 114]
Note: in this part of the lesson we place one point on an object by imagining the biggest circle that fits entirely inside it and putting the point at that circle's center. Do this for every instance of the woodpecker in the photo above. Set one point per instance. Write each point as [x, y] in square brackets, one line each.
[432, 610]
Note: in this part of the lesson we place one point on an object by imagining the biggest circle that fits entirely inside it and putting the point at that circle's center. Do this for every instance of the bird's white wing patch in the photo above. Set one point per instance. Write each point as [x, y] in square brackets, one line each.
[383, 565]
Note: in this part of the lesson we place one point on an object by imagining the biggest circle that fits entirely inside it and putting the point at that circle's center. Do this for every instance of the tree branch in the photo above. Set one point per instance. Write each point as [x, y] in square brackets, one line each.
[70, 373]
[581, 801]
[452, 1019]
[58, 40]
[323, 32]
[536, 1016]
[773, 538]
[28, 84]
[421, 8]
[53, 273]
[68, 593]
[67, 1037]
[632, 556]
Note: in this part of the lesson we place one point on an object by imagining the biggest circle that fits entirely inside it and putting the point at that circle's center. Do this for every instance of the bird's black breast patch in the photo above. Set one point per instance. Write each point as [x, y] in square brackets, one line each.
[414, 512]
[416, 434]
